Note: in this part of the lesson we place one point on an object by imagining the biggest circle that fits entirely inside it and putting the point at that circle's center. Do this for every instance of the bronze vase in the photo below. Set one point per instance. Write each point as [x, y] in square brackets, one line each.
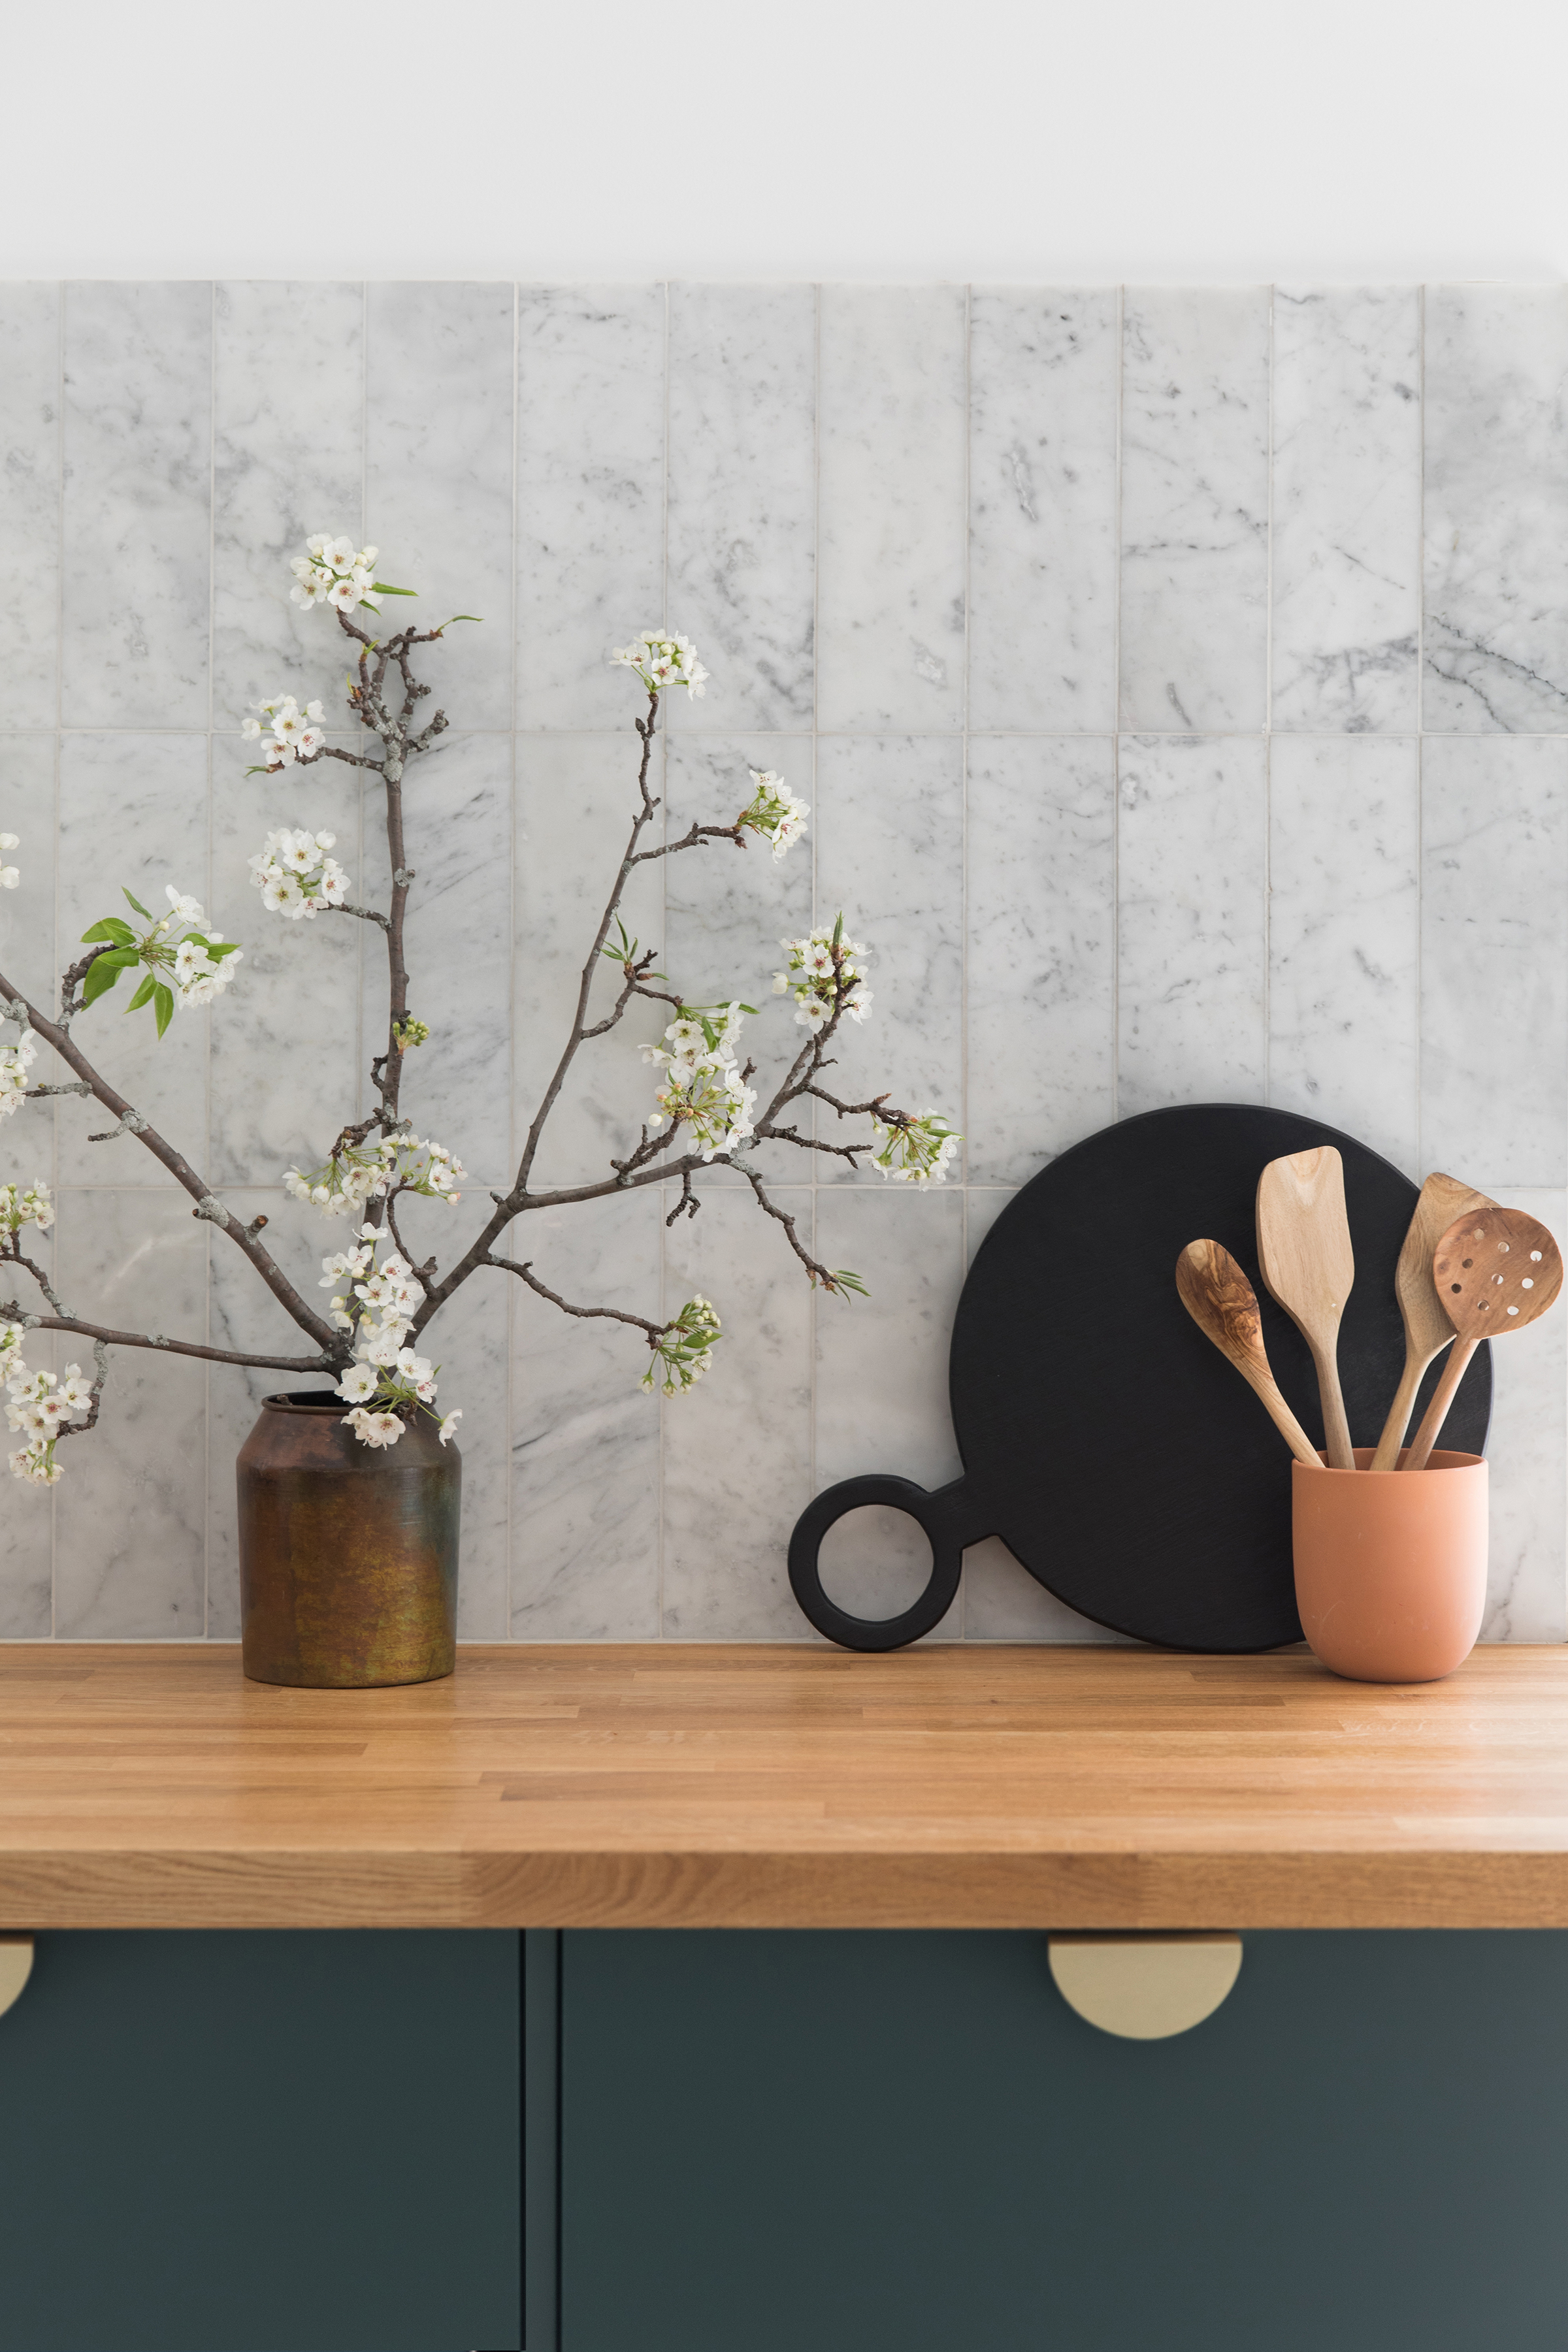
[348, 1553]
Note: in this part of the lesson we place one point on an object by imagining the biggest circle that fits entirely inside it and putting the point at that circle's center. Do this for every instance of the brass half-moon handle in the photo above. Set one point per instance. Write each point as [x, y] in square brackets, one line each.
[16, 1967]
[1145, 1987]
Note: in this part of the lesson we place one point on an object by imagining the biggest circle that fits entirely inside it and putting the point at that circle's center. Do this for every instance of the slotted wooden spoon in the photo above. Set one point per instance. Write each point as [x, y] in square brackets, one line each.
[1224, 1304]
[1495, 1270]
[1428, 1330]
[1305, 1253]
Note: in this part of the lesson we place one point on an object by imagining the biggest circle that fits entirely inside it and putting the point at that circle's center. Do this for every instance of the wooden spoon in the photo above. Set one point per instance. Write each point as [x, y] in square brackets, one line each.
[1304, 1250]
[1428, 1330]
[1224, 1304]
[1495, 1271]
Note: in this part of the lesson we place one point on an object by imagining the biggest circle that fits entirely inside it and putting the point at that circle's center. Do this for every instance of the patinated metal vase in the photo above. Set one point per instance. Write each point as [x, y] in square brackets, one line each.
[348, 1553]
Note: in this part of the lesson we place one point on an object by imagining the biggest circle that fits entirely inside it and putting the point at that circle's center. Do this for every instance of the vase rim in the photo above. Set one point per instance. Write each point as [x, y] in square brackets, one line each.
[304, 1400]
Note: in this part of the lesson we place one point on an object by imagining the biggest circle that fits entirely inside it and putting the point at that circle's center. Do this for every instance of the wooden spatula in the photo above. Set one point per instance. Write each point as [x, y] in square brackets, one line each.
[1495, 1270]
[1224, 1304]
[1304, 1250]
[1428, 1330]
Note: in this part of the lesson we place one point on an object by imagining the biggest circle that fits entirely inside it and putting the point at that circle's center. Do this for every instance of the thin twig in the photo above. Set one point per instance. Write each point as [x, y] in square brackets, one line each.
[654, 1331]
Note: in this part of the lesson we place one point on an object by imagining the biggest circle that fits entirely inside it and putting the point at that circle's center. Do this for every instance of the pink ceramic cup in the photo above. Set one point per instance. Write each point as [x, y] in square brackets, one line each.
[1390, 1566]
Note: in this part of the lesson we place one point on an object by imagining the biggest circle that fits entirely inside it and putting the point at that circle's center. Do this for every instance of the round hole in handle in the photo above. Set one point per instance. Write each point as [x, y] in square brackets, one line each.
[16, 1967]
[1145, 1987]
[938, 1517]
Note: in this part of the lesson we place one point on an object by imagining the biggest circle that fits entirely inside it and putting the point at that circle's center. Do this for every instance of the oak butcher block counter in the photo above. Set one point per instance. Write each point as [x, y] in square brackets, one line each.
[645, 1786]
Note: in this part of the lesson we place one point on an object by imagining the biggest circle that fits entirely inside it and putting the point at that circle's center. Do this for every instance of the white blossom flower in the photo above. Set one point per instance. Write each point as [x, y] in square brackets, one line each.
[702, 1086]
[38, 1464]
[373, 1428]
[662, 661]
[295, 875]
[77, 1391]
[685, 1347]
[29, 1204]
[774, 812]
[9, 874]
[449, 1426]
[826, 976]
[916, 1151]
[359, 1383]
[16, 1061]
[295, 733]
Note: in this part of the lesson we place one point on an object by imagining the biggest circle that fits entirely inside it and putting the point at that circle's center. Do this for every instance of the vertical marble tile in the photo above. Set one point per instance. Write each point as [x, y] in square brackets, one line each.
[137, 509]
[27, 912]
[585, 1435]
[1192, 960]
[1347, 508]
[1527, 1583]
[285, 1058]
[890, 854]
[737, 1447]
[881, 1382]
[742, 500]
[30, 499]
[458, 821]
[1496, 643]
[1042, 508]
[287, 461]
[27, 1522]
[134, 815]
[1195, 508]
[1041, 950]
[440, 388]
[892, 522]
[131, 1510]
[590, 496]
[1494, 960]
[576, 796]
[1344, 937]
[244, 1316]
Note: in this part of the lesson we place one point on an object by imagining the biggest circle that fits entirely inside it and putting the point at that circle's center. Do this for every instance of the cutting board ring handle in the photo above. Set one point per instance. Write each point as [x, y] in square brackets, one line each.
[947, 1519]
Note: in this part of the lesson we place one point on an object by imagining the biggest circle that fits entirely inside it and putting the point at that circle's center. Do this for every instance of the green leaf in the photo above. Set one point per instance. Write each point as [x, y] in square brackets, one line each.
[261, 771]
[456, 617]
[216, 948]
[142, 995]
[104, 970]
[384, 588]
[162, 1006]
[844, 1280]
[111, 928]
[135, 902]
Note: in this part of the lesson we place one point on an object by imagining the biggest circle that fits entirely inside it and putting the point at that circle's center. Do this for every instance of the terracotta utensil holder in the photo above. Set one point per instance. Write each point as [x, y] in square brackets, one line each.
[1390, 1566]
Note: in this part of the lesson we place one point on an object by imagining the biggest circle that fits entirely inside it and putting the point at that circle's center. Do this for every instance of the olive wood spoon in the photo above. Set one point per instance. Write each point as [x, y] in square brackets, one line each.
[1224, 1304]
[1495, 1271]
[1305, 1256]
[1428, 1330]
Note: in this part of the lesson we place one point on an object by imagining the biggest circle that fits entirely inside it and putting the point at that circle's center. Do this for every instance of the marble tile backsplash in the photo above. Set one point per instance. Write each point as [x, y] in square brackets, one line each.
[1179, 679]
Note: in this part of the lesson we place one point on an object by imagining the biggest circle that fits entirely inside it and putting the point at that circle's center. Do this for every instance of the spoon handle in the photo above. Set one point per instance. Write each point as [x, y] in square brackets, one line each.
[1400, 1411]
[1437, 1412]
[1331, 1396]
[1266, 1389]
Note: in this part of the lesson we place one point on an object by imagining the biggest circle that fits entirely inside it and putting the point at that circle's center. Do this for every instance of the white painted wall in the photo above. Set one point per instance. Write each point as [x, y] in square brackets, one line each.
[993, 140]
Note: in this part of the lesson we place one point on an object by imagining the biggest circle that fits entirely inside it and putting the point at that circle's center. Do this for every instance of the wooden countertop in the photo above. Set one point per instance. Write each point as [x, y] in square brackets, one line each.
[648, 1786]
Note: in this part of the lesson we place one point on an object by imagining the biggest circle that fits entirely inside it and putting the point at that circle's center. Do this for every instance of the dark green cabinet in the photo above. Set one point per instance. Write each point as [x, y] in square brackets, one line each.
[908, 2143]
[262, 2143]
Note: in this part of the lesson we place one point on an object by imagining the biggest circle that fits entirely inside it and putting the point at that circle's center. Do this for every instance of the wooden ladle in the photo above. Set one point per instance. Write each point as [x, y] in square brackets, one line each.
[1224, 1304]
[1428, 1330]
[1495, 1270]
[1305, 1253]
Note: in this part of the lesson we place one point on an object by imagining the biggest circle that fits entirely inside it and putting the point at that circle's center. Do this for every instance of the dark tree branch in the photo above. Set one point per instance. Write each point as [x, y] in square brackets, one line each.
[653, 1331]
[15, 1313]
[689, 1203]
[816, 1272]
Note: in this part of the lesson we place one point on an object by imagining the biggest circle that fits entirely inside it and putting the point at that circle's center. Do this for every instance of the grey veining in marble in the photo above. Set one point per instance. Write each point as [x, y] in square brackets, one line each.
[590, 494]
[30, 499]
[1195, 509]
[136, 518]
[892, 467]
[1497, 509]
[742, 500]
[1347, 508]
[1192, 960]
[1494, 959]
[1042, 506]
[1041, 970]
[1142, 743]
[1344, 930]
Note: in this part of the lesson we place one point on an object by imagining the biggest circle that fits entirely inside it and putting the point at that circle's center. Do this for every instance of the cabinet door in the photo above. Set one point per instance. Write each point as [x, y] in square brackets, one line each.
[262, 2143]
[908, 2143]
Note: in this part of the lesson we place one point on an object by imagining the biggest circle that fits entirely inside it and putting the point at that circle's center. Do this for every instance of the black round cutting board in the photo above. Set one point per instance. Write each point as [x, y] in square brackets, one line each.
[1105, 1439]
